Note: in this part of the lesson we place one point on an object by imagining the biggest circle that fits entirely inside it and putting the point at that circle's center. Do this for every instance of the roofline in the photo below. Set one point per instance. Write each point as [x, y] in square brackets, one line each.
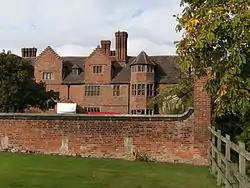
[68, 83]
[131, 64]
[86, 56]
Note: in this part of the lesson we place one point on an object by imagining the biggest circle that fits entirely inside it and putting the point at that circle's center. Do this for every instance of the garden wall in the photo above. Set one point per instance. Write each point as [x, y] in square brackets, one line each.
[176, 138]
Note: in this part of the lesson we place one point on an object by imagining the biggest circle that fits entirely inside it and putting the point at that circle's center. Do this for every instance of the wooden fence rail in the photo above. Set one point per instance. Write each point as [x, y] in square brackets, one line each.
[229, 174]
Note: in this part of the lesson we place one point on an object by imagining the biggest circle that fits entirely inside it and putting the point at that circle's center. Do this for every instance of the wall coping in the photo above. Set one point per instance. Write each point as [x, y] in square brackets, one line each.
[105, 117]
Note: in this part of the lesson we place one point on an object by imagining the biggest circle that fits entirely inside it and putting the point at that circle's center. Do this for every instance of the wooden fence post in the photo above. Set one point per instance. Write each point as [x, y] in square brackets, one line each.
[228, 161]
[242, 163]
[219, 175]
[230, 174]
[213, 152]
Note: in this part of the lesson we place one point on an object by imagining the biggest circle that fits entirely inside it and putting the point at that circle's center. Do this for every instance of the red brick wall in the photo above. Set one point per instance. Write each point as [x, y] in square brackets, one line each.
[202, 105]
[180, 138]
[168, 139]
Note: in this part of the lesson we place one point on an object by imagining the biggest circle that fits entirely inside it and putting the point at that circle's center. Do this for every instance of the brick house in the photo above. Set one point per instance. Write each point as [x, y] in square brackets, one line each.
[107, 80]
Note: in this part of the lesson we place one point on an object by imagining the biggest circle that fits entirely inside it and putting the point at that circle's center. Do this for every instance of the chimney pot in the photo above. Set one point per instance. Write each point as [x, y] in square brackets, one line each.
[29, 52]
[105, 46]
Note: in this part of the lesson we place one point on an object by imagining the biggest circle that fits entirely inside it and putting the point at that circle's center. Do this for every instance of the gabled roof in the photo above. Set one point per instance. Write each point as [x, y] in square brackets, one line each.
[98, 50]
[142, 59]
[51, 50]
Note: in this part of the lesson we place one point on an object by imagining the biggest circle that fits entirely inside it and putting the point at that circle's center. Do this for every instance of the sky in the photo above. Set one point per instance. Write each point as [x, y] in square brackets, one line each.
[75, 27]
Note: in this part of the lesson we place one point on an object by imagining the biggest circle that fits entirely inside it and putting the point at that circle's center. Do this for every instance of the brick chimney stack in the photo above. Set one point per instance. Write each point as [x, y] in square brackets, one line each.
[29, 52]
[105, 46]
[121, 40]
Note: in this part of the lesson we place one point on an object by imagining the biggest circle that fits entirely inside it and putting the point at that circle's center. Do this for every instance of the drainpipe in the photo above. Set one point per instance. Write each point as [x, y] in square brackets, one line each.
[129, 98]
[68, 90]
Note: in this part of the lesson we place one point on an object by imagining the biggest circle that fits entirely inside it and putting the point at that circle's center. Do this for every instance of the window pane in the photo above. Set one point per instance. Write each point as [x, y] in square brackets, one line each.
[91, 109]
[143, 89]
[150, 90]
[47, 76]
[139, 89]
[139, 68]
[143, 68]
[116, 90]
[134, 68]
[149, 68]
[75, 71]
[149, 111]
[142, 111]
[92, 90]
[133, 89]
[97, 69]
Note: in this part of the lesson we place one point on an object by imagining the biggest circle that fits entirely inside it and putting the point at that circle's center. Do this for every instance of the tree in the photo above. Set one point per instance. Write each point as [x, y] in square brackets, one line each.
[216, 35]
[18, 88]
[177, 97]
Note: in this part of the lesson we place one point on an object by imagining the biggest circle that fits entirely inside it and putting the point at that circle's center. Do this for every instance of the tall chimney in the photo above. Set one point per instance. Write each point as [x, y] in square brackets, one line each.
[121, 45]
[105, 46]
[117, 46]
[124, 46]
[29, 52]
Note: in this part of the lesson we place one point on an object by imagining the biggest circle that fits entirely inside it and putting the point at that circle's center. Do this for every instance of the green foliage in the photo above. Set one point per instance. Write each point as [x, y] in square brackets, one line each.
[178, 97]
[244, 136]
[141, 157]
[237, 128]
[216, 35]
[18, 88]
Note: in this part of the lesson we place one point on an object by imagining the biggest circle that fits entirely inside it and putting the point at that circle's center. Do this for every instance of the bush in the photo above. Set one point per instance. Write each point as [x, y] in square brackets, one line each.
[141, 157]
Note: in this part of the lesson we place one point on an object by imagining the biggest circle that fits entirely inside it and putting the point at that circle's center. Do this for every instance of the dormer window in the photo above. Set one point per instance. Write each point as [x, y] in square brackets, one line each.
[75, 70]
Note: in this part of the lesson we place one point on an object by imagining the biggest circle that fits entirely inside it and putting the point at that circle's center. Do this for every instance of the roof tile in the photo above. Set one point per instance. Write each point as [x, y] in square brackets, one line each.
[142, 59]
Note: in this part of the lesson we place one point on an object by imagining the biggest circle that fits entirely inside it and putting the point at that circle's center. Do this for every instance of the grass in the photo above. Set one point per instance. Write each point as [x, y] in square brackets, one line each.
[38, 171]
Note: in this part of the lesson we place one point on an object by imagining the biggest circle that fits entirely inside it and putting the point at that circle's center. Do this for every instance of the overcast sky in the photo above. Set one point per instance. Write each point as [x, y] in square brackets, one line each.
[76, 27]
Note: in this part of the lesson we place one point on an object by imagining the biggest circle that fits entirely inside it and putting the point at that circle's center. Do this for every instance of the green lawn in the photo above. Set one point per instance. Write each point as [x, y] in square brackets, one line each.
[26, 171]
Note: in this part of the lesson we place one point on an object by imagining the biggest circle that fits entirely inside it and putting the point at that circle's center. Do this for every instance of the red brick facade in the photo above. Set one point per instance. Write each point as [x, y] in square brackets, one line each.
[109, 73]
[177, 138]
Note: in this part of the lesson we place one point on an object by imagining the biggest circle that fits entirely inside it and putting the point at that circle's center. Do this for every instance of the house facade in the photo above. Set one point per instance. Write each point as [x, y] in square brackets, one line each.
[107, 80]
